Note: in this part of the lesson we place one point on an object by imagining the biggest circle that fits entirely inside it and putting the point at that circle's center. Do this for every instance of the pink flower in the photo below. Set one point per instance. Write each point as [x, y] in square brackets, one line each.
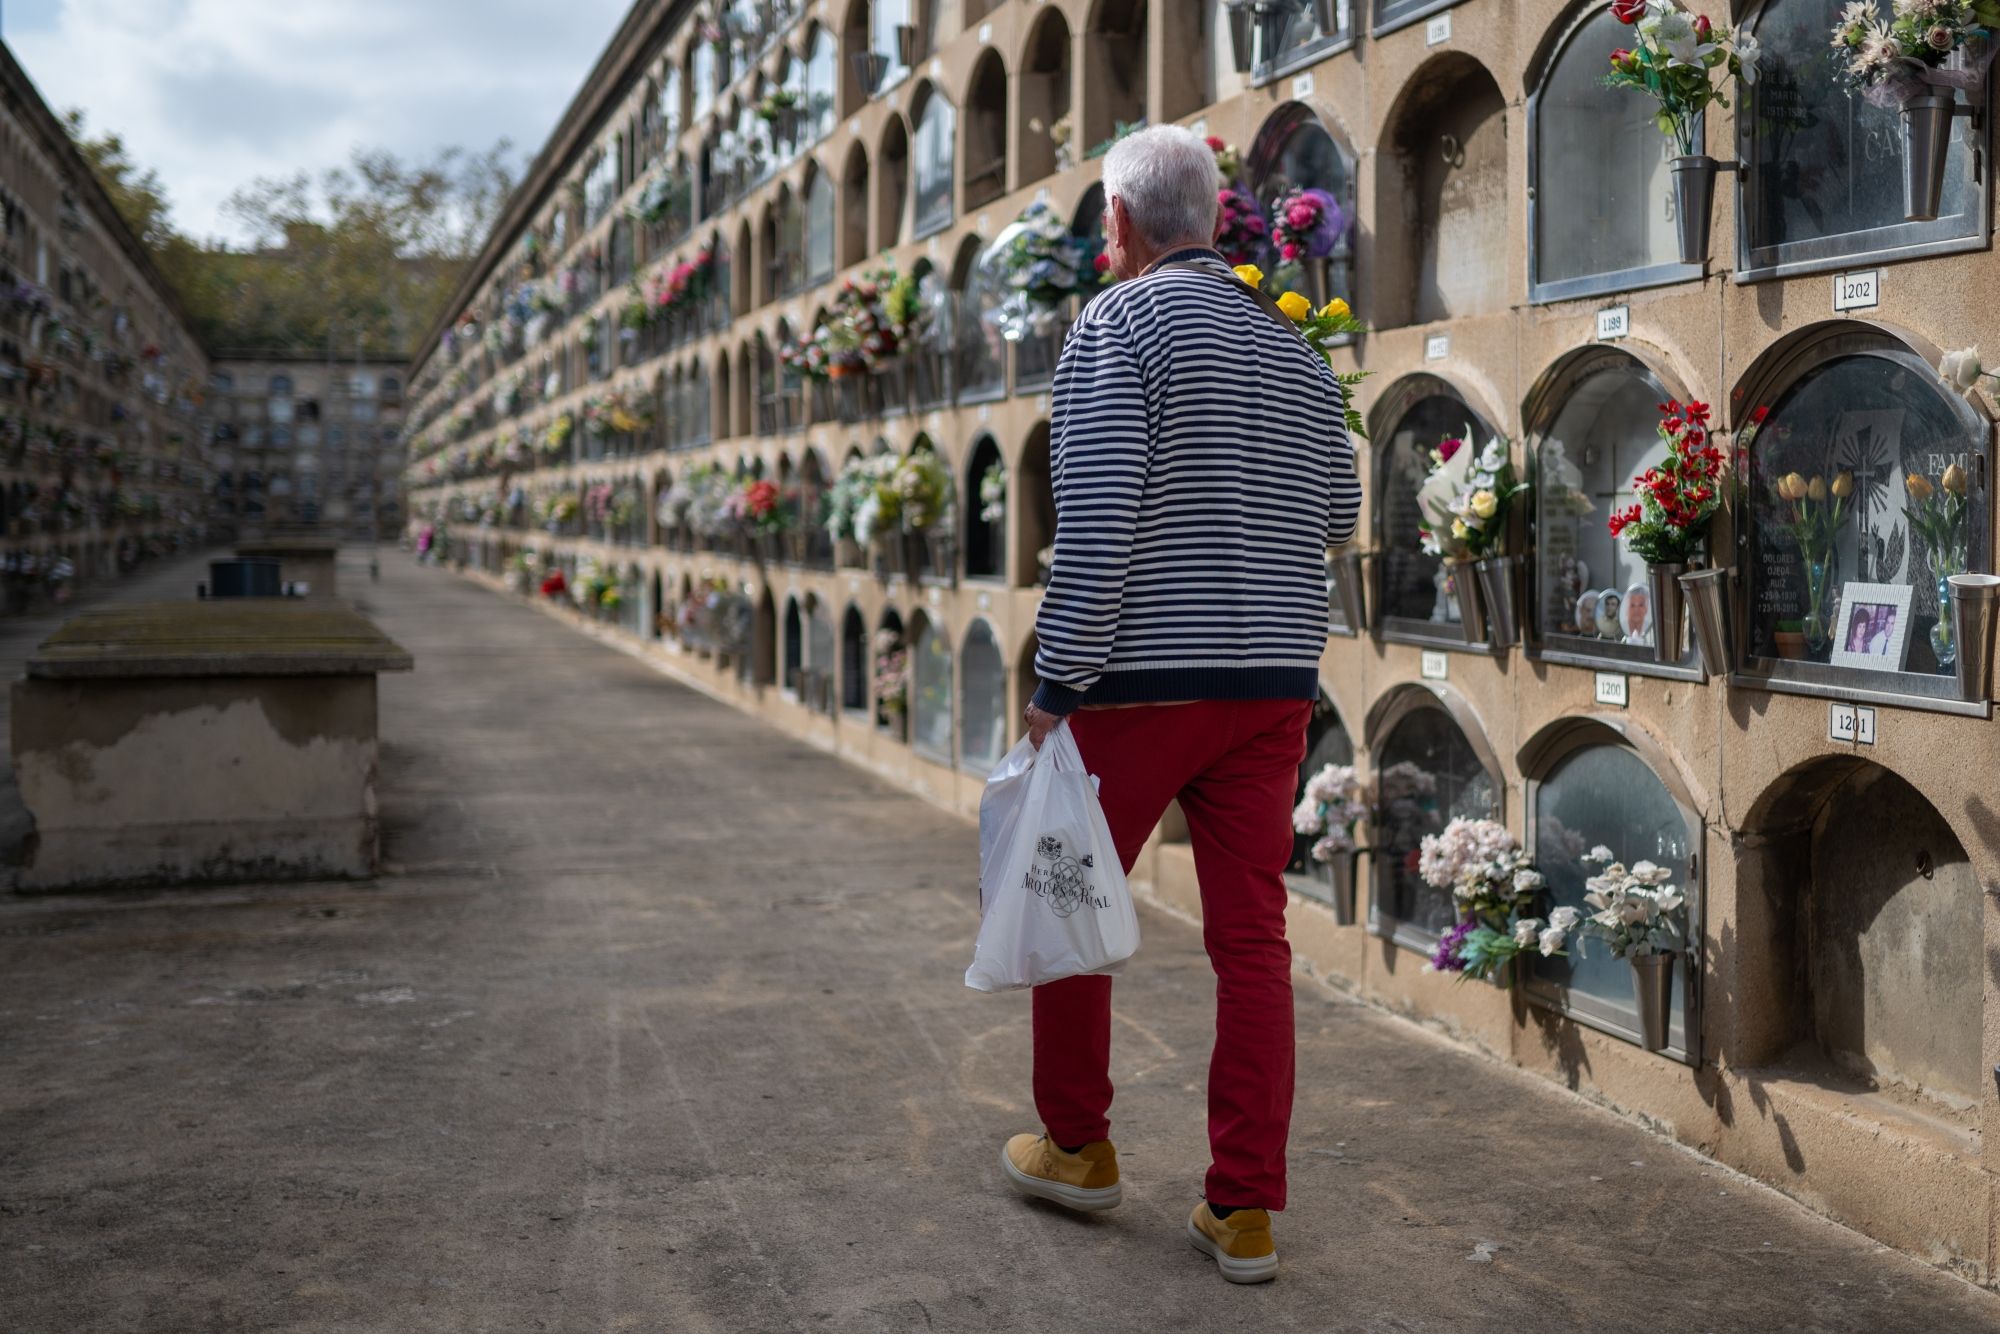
[1450, 446]
[1290, 251]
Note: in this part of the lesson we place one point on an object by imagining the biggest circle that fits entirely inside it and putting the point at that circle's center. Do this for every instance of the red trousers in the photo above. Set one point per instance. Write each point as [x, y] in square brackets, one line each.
[1234, 765]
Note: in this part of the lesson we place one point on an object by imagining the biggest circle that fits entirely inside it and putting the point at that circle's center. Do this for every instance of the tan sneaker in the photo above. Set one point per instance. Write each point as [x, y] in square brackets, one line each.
[1240, 1244]
[1086, 1179]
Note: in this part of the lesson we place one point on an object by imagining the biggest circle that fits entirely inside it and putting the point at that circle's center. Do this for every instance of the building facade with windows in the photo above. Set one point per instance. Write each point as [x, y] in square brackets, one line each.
[303, 441]
[103, 450]
[643, 323]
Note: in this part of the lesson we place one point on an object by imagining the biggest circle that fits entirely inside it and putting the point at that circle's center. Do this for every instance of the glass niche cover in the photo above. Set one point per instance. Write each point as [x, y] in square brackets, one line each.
[1415, 592]
[1864, 495]
[1427, 774]
[1592, 596]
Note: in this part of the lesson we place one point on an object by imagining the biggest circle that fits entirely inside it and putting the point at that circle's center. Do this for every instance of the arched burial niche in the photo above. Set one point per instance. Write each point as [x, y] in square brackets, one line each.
[985, 516]
[1044, 95]
[1592, 424]
[1414, 600]
[978, 352]
[1841, 591]
[986, 131]
[1432, 764]
[1114, 70]
[1600, 208]
[1295, 150]
[983, 700]
[931, 689]
[1824, 170]
[935, 152]
[1868, 936]
[1441, 198]
[821, 664]
[1327, 742]
[1034, 494]
[854, 675]
[762, 661]
[854, 207]
[1601, 783]
[795, 646]
[889, 668]
[892, 165]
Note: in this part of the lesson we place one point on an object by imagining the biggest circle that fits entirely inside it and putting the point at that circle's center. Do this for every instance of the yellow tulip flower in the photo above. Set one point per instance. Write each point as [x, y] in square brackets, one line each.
[1843, 485]
[1954, 480]
[1816, 490]
[1918, 486]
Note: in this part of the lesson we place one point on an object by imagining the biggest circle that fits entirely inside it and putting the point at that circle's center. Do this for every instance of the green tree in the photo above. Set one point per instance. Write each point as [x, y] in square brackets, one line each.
[360, 257]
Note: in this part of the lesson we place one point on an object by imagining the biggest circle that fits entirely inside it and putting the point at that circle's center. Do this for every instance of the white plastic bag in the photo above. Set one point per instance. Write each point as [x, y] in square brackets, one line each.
[1052, 895]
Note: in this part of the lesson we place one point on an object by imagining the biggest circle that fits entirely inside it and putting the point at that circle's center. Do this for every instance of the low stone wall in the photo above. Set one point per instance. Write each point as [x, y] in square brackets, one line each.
[201, 742]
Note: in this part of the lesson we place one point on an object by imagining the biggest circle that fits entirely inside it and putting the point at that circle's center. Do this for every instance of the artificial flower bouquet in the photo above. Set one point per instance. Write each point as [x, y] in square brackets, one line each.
[892, 671]
[993, 494]
[1962, 371]
[1464, 500]
[1637, 909]
[1680, 497]
[1323, 330]
[1228, 160]
[1889, 63]
[1240, 232]
[1682, 61]
[762, 509]
[1040, 265]
[1939, 513]
[1813, 512]
[1493, 884]
[1335, 801]
[1307, 223]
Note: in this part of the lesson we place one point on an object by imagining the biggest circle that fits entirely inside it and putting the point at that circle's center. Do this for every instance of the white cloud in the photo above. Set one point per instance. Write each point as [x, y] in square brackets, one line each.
[213, 93]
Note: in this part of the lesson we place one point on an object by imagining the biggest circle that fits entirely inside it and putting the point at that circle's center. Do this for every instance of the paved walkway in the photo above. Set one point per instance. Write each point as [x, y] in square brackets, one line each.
[657, 1025]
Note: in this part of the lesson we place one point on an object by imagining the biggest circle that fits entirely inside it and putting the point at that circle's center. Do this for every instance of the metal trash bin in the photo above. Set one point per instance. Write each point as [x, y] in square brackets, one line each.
[240, 578]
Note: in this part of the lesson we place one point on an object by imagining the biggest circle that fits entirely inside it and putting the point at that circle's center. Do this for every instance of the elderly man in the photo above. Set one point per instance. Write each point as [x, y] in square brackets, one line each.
[1202, 469]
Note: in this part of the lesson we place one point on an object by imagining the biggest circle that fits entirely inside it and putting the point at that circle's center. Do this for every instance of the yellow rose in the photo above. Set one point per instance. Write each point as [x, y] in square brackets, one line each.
[1484, 503]
[1843, 485]
[1297, 309]
[1336, 308]
[1459, 530]
[1918, 486]
[1816, 490]
[1954, 480]
[1251, 274]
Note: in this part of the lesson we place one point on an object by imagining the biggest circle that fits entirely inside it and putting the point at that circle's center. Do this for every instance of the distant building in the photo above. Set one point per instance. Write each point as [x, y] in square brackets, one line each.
[303, 441]
[103, 442]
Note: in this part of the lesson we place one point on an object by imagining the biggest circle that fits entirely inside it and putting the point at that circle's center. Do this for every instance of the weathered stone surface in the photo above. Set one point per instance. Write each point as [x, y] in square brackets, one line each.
[655, 1023]
[231, 637]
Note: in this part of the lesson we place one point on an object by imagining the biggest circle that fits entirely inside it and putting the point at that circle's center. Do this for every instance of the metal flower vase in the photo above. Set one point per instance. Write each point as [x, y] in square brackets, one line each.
[1653, 989]
[1317, 274]
[1973, 598]
[906, 44]
[1242, 38]
[1499, 590]
[1693, 180]
[1927, 121]
[1471, 614]
[1707, 594]
[1669, 615]
[1326, 13]
[1338, 875]
[1348, 594]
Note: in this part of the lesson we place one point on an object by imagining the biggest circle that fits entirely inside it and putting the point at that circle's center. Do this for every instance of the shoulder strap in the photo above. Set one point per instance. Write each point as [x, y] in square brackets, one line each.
[1269, 306]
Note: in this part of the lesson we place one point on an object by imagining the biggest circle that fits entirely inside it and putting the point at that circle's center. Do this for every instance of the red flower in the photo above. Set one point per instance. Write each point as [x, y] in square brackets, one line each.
[1449, 447]
[1628, 11]
[1289, 250]
[1215, 144]
[1702, 28]
[1621, 60]
[760, 498]
[1757, 415]
[1103, 263]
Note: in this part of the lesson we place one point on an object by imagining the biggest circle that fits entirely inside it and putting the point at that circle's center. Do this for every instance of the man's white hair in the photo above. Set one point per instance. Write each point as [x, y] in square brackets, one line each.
[1168, 180]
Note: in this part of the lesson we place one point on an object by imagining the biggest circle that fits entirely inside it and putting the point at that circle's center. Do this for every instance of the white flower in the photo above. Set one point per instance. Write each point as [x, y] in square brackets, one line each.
[1670, 900]
[1565, 918]
[1305, 817]
[1550, 941]
[1748, 53]
[1600, 853]
[1671, 31]
[1527, 881]
[1525, 931]
[1961, 369]
[1492, 458]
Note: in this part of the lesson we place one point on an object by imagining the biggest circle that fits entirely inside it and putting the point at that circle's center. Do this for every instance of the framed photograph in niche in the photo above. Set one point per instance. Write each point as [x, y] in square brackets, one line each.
[1873, 627]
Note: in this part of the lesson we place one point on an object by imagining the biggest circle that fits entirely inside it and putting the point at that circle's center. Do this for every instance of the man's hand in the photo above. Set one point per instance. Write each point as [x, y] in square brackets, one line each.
[1040, 724]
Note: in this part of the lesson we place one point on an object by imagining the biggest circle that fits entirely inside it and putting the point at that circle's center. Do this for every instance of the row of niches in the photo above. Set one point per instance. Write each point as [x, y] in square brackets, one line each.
[1847, 877]
[977, 512]
[1822, 184]
[1855, 488]
[906, 673]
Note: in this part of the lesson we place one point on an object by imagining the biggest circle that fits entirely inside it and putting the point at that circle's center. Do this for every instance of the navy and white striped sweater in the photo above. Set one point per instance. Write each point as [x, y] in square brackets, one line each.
[1202, 469]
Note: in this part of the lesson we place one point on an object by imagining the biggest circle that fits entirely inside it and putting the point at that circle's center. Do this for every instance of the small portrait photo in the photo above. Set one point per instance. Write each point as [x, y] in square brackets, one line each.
[1873, 629]
[1607, 614]
[1586, 614]
[1637, 617]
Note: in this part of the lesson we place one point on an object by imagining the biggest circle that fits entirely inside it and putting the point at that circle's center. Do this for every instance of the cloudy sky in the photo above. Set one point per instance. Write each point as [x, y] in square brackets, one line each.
[213, 93]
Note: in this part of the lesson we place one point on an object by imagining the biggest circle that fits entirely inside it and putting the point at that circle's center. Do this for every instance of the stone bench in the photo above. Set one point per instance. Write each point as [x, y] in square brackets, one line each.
[198, 742]
[307, 560]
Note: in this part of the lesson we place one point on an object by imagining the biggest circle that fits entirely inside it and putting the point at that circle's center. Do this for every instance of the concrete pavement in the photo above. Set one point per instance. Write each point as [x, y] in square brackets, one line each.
[656, 1024]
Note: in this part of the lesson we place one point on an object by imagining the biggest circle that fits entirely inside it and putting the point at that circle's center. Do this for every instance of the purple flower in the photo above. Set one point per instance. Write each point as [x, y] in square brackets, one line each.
[1445, 957]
